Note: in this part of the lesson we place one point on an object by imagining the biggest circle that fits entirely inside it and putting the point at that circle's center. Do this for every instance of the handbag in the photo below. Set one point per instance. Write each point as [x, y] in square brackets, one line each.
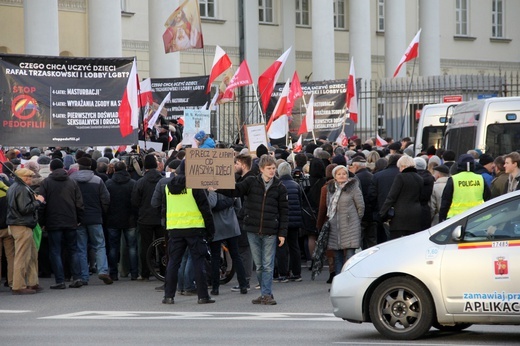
[37, 236]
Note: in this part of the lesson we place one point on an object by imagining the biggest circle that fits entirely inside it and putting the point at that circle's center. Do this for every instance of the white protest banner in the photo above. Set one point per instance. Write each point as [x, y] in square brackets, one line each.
[255, 135]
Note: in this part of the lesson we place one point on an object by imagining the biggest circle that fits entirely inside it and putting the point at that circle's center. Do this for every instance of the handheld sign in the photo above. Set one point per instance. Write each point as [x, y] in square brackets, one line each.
[210, 168]
[255, 135]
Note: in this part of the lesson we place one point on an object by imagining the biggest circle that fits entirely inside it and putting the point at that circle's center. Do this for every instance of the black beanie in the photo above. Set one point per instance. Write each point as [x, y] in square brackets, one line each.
[261, 150]
[150, 162]
[56, 164]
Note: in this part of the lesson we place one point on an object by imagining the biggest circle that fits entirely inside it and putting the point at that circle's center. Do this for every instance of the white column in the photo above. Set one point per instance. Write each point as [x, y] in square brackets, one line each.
[323, 60]
[41, 33]
[162, 65]
[430, 46]
[395, 36]
[251, 36]
[104, 28]
[359, 34]
[289, 37]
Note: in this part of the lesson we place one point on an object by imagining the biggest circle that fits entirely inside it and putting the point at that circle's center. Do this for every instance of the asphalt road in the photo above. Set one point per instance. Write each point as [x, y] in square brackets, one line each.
[131, 313]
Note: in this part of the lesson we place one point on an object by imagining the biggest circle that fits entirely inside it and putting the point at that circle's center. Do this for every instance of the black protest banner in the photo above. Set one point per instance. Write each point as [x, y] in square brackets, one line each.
[186, 93]
[62, 101]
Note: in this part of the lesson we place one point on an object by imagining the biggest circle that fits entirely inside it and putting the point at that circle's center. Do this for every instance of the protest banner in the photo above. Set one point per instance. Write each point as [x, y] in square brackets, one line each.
[255, 135]
[209, 168]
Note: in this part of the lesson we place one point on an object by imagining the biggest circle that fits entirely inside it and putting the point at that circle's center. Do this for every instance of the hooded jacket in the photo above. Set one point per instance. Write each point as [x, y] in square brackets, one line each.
[142, 198]
[96, 198]
[121, 214]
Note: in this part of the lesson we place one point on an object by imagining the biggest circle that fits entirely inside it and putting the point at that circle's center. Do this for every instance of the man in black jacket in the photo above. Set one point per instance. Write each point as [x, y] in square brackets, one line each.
[61, 216]
[149, 218]
[358, 166]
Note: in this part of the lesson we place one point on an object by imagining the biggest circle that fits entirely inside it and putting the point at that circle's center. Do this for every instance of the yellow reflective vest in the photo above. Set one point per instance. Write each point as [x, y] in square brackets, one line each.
[468, 189]
[182, 211]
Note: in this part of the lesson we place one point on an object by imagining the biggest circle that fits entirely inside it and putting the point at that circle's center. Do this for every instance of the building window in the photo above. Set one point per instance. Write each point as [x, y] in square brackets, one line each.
[461, 17]
[207, 8]
[302, 12]
[339, 14]
[265, 11]
[497, 20]
[380, 15]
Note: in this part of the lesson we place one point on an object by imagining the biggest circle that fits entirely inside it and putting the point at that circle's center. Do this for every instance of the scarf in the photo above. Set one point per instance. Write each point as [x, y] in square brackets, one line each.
[333, 204]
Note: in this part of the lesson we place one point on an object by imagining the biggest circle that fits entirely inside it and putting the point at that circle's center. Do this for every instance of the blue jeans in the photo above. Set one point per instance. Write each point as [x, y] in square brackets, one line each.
[94, 235]
[186, 280]
[340, 258]
[114, 239]
[55, 238]
[263, 249]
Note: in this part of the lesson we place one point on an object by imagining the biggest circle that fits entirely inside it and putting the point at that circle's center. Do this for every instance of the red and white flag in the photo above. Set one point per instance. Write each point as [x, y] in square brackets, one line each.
[267, 80]
[307, 124]
[342, 139]
[352, 93]
[129, 109]
[221, 63]
[241, 77]
[280, 107]
[145, 94]
[294, 93]
[279, 128]
[412, 52]
[152, 121]
[298, 145]
[380, 142]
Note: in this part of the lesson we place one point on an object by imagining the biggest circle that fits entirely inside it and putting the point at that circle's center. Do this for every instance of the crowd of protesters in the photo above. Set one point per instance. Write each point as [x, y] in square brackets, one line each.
[100, 210]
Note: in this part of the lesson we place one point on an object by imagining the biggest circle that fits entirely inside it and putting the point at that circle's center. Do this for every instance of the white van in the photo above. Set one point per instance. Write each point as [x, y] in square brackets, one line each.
[491, 125]
[432, 125]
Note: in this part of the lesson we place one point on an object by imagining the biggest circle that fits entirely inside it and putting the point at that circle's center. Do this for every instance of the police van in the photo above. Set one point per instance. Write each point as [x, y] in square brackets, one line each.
[491, 125]
[432, 125]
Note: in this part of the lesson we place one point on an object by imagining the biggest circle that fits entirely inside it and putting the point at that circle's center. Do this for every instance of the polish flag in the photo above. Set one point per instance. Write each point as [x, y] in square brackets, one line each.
[221, 63]
[294, 93]
[352, 93]
[145, 96]
[129, 109]
[280, 108]
[279, 128]
[412, 52]
[380, 142]
[242, 77]
[308, 122]
[267, 80]
[155, 116]
[298, 145]
[342, 139]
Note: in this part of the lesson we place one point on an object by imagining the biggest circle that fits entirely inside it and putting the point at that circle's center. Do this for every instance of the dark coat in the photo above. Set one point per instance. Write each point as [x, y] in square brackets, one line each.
[63, 208]
[22, 206]
[381, 184]
[142, 197]
[405, 197]
[121, 214]
[365, 179]
[96, 197]
[426, 195]
[294, 194]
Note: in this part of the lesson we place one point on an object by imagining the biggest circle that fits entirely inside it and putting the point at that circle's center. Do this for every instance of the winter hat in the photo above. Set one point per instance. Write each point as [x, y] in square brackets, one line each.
[35, 152]
[56, 164]
[200, 135]
[104, 159]
[465, 158]
[67, 161]
[85, 161]
[420, 163]
[181, 169]
[44, 160]
[395, 146]
[174, 164]
[340, 160]
[261, 150]
[442, 168]
[150, 162]
[485, 159]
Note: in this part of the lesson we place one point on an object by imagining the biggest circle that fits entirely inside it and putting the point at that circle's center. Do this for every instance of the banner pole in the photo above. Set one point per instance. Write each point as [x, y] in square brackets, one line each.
[407, 99]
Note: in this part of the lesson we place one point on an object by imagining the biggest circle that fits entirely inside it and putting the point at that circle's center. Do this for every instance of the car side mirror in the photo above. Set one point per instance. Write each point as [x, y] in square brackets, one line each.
[456, 235]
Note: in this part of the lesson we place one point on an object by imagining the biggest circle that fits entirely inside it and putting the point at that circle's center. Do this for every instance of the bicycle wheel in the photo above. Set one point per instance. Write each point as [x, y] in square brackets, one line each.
[156, 258]
[227, 271]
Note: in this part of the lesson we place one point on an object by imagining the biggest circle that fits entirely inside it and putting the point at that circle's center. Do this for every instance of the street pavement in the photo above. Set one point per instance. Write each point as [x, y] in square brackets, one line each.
[131, 313]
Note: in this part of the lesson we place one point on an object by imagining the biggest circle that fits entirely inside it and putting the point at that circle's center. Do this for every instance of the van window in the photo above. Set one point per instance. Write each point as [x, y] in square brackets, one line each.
[502, 138]
[460, 140]
[432, 135]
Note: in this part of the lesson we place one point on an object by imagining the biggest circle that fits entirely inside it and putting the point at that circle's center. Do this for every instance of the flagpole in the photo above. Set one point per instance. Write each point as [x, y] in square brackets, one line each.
[407, 99]
[312, 131]
[258, 104]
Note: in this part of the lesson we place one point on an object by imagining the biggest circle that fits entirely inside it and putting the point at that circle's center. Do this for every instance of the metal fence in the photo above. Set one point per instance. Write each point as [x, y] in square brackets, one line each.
[386, 107]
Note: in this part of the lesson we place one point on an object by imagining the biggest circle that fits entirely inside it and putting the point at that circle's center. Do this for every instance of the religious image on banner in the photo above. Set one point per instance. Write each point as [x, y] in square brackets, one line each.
[195, 120]
[223, 95]
[183, 28]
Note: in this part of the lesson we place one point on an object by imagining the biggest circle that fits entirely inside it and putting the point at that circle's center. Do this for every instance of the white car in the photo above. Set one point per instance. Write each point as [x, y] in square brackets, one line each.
[460, 272]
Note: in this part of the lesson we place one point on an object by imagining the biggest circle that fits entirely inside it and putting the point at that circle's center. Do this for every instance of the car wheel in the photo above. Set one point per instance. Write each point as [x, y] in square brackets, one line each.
[401, 309]
[455, 328]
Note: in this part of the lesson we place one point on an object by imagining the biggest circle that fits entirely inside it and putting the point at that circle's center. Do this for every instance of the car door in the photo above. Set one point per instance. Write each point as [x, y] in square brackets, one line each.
[480, 274]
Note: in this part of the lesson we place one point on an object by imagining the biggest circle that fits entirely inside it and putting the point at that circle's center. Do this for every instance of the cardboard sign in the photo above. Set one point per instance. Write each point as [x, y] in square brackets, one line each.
[255, 135]
[210, 167]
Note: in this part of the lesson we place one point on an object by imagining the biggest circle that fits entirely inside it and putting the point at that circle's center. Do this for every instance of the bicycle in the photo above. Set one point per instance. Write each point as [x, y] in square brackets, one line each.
[157, 260]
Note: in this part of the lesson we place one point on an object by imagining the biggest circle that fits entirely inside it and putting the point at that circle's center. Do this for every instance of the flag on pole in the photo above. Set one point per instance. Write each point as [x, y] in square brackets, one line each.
[267, 80]
[342, 139]
[352, 93]
[129, 109]
[298, 145]
[412, 52]
[280, 107]
[380, 142]
[152, 121]
[221, 63]
[307, 124]
[279, 127]
[241, 77]
[213, 102]
[183, 28]
[145, 95]
[223, 95]
[294, 93]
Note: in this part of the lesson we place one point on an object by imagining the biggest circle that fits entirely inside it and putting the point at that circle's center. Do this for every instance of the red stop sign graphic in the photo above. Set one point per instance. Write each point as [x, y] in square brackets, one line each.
[24, 107]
